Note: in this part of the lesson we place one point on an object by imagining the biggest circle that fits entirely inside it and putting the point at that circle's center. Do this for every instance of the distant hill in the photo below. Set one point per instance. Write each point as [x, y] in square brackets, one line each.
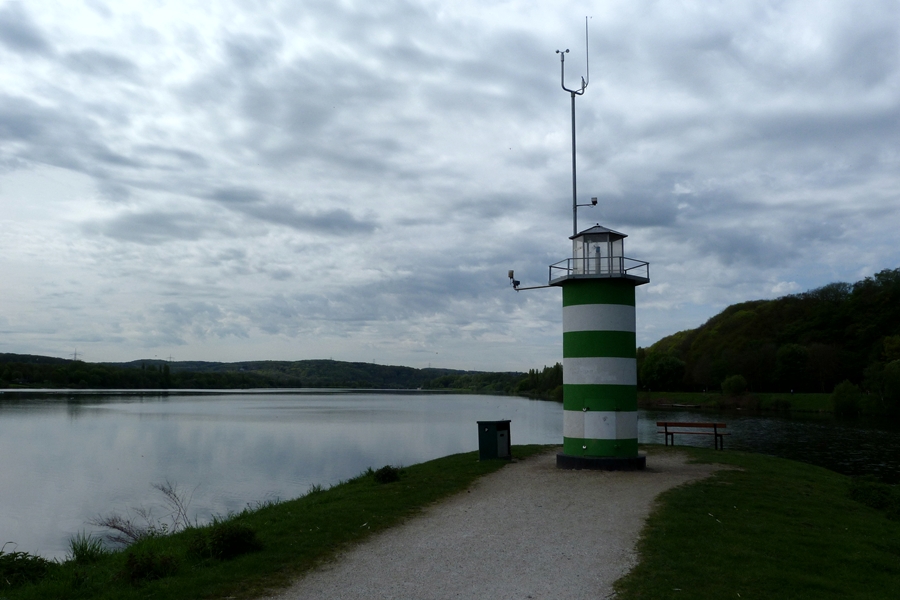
[23, 370]
[802, 342]
[301, 373]
[32, 359]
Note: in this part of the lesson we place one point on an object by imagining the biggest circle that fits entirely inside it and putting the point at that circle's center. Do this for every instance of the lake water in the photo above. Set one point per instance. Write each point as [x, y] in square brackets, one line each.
[69, 458]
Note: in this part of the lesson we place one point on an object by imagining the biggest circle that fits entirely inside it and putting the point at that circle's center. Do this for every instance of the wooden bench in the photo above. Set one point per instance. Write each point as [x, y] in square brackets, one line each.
[684, 428]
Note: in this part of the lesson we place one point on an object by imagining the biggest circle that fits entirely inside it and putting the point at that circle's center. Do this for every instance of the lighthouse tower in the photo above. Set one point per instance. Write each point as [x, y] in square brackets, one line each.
[599, 364]
[600, 429]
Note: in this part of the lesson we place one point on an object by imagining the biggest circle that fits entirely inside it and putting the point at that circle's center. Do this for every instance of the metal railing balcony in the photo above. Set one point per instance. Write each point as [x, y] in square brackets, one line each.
[599, 267]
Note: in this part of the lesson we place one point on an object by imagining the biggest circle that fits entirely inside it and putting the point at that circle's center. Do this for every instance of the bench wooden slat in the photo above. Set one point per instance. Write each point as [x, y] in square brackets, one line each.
[680, 426]
[685, 424]
[693, 432]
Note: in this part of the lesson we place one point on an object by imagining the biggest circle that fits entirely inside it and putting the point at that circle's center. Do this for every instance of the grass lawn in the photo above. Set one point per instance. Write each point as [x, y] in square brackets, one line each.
[771, 528]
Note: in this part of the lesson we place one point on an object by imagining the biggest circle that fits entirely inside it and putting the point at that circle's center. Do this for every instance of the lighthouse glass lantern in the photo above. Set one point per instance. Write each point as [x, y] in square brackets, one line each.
[598, 250]
[599, 363]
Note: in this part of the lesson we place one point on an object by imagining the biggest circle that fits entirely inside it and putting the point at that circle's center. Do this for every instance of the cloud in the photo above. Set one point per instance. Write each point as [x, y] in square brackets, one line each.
[150, 228]
[19, 33]
[98, 63]
[253, 203]
[357, 179]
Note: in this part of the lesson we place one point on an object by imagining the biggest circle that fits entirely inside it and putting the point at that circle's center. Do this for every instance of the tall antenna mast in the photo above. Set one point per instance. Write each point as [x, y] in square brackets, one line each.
[575, 92]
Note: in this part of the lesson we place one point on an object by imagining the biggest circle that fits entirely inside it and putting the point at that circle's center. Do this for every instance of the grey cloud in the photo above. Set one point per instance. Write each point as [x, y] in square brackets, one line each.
[150, 228]
[164, 157]
[113, 191]
[281, 274]
[645, 204]
[107, 156]
[98, 63]
[252, 202]
[202, 320]
[22, 119]
[72, 139]
[296, 112]
[426, 294]
[332, 222]
[250, 52]
[19, 33]
[237, 195]
[55, 136]
[751, 247]
[233, 254]
[442, 282]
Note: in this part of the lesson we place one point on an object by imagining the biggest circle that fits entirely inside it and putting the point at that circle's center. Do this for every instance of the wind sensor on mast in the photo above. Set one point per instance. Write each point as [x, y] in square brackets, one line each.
[576, 92]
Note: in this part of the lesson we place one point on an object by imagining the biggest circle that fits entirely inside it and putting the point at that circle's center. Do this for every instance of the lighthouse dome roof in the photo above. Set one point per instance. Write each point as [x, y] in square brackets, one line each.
[598, 228]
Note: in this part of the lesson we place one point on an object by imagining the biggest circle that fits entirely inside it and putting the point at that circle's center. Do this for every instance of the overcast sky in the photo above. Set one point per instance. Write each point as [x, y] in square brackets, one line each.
[304, 179]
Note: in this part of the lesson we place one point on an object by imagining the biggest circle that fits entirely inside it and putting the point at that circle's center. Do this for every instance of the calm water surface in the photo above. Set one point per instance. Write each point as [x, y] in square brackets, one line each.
[69, 458]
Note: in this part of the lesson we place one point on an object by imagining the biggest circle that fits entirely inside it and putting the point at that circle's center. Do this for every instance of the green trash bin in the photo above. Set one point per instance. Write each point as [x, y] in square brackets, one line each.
[493, 440]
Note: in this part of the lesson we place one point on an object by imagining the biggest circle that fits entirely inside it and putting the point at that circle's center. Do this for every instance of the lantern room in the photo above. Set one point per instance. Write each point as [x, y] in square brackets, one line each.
[599, 252]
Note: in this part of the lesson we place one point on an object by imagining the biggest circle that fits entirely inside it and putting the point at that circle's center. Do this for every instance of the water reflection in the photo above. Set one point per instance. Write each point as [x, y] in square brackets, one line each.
[70, 457]
[77, 458]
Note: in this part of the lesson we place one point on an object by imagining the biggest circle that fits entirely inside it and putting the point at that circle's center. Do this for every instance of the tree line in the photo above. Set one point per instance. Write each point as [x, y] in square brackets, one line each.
[17, 370]
[545, 384]
[808, 342]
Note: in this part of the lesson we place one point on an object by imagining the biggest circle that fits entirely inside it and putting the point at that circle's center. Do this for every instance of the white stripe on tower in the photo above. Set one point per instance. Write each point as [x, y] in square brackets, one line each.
[605, 370]
[598, 317]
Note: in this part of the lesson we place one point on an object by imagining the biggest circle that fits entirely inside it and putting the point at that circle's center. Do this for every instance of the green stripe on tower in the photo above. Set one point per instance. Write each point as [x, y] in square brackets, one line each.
[598, 291]
[583, 447]
[582, 344]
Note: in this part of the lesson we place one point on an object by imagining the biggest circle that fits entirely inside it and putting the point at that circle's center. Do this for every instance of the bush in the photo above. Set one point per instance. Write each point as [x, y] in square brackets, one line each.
[19, 568]
[735, 385]
[147, 564]
[387, 474]
[845, 399]
[557, 394]
[223, 540]
[85, 549]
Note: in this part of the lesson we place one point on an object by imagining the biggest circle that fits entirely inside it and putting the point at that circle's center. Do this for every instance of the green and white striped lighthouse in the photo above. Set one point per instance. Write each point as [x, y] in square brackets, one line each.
[599, 365]
[600, 425]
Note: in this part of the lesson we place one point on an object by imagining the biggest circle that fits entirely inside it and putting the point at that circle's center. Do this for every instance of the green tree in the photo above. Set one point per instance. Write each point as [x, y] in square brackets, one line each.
[846, 399]
[662, 372]
[824, 366]
[892, 387]
[891, 345]
[735, 385]
[791, 363]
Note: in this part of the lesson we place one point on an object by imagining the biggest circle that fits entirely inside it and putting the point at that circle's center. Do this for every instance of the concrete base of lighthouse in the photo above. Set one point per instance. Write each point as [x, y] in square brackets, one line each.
[601, 463]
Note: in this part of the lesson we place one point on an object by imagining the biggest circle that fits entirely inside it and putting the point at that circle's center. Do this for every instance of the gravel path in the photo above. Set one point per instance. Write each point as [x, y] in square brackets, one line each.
[529, 530]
